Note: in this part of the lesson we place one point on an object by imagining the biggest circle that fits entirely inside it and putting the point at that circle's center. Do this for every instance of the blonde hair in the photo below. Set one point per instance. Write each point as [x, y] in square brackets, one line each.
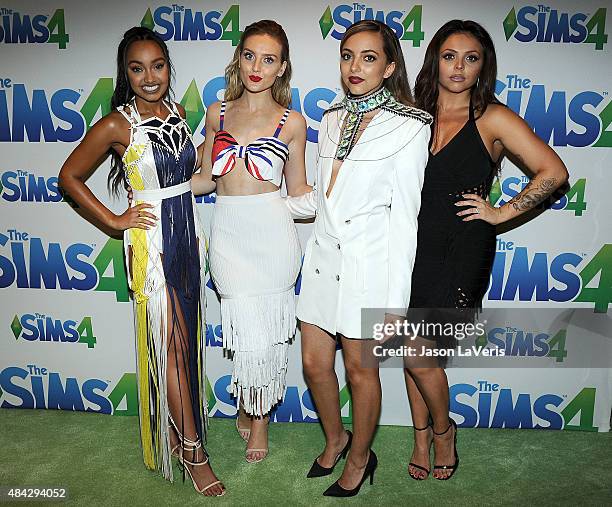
[281, 89]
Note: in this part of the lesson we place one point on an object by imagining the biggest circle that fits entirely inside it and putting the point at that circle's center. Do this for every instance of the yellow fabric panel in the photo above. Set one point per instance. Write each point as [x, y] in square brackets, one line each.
[143, 386]
[140, 257]
[131, 156]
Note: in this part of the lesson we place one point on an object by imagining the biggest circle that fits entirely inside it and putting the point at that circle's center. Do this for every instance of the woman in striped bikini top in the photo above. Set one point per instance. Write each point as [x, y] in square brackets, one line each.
[243, 153]
[264, 158]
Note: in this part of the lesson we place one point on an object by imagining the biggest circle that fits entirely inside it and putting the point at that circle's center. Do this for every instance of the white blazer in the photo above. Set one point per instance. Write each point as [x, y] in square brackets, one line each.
[362, 248]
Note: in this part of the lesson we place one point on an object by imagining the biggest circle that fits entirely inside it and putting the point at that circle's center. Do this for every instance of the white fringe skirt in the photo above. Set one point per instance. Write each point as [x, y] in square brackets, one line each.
[255, 258]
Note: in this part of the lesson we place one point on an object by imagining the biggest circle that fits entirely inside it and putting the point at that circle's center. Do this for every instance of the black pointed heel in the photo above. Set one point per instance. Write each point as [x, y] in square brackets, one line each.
[411, 464]
[336, 490]
[453, 467]
[317, 470]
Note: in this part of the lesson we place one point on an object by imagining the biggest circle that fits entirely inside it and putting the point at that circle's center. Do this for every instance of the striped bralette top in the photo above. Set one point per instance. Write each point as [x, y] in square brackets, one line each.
[264, 158]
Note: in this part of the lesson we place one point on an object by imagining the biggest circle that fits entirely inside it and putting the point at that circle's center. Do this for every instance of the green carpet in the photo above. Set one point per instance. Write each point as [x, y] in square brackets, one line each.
[98, 459]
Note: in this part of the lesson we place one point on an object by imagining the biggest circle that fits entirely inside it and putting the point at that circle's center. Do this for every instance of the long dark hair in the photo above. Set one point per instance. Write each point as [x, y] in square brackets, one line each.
[397, 83]
[426, 87]
[123, 92]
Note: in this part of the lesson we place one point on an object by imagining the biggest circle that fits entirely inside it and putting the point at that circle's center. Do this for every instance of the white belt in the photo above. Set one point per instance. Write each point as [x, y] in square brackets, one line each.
[159, 194]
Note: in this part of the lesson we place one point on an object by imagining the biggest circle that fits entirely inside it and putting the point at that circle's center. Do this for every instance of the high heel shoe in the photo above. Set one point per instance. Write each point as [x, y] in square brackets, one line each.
[336, 490]
[316, 470]
[412, 464]
[188, 445]
[453, 467]
[175, 451]
[252, 450]
[244, 433]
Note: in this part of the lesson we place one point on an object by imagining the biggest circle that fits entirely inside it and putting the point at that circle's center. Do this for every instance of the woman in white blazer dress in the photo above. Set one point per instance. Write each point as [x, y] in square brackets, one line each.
[372, 154]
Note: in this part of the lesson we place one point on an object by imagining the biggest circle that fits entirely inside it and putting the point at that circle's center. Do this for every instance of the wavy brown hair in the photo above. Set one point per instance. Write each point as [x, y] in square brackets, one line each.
[426, 87]
[397, 83]
[281, 89]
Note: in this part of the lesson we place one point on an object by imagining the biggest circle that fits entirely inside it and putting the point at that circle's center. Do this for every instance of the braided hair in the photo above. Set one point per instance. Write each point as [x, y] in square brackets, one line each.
[123, 92]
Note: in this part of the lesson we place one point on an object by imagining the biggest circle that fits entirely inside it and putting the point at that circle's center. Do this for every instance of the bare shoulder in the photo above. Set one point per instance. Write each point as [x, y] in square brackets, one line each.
[498, 115]
[499, 120]
[181, 110]
[113, 124]
[215, 107]
[212, 115]
[296, 121]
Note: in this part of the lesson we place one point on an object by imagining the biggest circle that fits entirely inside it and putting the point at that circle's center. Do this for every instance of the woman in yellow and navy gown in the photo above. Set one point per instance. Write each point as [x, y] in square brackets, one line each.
[165, 248]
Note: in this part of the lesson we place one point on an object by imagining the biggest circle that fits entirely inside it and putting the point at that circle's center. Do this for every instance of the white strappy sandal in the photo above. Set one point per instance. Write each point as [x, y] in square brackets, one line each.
[187, 445]
[191, 446]
[175, 451]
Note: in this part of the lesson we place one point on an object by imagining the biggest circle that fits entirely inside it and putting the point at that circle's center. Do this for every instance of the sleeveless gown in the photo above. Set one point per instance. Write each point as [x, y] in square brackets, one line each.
[168, 258]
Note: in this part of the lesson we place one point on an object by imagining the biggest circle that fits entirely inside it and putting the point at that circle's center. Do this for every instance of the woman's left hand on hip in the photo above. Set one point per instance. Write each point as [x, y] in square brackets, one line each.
[478, 209]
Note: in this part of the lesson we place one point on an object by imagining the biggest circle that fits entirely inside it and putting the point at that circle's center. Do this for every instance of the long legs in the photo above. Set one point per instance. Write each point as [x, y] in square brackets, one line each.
[366, 395]
[318, 354]
[427, 388]
[179, 394]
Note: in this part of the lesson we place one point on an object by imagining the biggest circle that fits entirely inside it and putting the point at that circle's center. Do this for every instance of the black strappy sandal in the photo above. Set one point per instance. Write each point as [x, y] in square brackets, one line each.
[453, 467]
[411, 464]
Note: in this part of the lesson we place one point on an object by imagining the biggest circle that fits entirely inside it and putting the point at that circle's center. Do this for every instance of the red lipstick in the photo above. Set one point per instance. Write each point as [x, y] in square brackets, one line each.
[255, 79]
[355, 80]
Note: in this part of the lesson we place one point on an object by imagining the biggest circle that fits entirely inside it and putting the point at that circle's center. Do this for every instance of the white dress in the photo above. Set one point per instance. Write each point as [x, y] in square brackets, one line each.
[255, 258]
[363, 245]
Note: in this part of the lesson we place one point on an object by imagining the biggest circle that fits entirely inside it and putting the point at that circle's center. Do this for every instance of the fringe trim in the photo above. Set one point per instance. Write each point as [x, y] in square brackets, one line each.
[144, 396]
[157, 308]
[151, 325]
[257, 331]
[202, 247]
[147, 281]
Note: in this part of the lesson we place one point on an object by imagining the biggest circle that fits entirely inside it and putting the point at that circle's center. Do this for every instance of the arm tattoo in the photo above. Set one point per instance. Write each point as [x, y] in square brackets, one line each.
[533, 194]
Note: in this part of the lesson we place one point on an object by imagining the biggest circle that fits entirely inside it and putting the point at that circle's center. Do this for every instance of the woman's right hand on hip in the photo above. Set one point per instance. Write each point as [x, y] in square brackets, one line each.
[135, 217]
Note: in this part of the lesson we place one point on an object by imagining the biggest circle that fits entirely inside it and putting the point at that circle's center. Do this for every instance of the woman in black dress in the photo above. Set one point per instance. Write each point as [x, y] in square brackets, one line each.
[456, 235]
